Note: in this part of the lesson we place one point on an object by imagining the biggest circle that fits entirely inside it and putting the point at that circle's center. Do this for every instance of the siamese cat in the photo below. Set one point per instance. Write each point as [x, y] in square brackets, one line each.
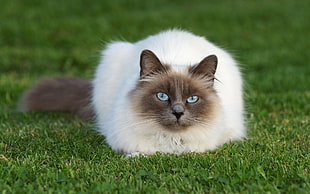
[173, 92]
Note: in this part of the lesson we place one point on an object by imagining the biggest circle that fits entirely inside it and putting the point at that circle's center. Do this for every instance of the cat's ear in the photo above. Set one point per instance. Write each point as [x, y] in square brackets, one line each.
[149, 63]
[206, 67]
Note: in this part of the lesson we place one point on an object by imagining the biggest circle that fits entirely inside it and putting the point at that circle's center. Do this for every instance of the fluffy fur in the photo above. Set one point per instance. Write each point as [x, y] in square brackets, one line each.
[173, 92]
[72, 95]
[123, 98]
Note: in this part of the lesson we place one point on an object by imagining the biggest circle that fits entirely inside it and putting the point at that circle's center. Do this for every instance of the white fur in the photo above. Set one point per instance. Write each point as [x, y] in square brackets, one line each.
[118, 74]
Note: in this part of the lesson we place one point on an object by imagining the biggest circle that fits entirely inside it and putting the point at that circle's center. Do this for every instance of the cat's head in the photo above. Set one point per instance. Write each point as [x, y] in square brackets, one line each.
[175, 100]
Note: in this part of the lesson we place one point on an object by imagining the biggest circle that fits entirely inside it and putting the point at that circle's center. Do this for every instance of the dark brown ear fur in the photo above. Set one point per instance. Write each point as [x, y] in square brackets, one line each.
[206, 67]
[71, 95]
[149, 64]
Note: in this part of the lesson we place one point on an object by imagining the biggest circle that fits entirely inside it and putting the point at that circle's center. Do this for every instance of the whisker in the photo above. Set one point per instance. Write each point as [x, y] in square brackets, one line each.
[131, 125]
[200, 122]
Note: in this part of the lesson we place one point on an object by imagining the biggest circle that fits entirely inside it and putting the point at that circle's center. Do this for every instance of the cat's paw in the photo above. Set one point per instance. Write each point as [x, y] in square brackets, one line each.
[134, 154]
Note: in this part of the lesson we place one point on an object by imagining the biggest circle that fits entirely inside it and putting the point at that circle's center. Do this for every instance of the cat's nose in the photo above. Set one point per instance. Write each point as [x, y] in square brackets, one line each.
[178, 110]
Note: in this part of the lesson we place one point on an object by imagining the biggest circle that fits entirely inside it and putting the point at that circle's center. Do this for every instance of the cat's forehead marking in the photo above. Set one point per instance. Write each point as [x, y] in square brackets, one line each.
[179, 85]
[178, 81]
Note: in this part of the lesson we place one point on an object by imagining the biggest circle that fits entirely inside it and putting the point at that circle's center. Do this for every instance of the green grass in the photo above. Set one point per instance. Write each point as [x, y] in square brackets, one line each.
[55, 153]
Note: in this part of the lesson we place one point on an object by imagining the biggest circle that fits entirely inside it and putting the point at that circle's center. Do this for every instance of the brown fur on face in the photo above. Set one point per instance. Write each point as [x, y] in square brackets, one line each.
[176, 113]
[178, 86]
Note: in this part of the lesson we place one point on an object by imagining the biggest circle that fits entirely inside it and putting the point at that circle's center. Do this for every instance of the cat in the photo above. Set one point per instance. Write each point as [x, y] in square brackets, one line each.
[173, 92]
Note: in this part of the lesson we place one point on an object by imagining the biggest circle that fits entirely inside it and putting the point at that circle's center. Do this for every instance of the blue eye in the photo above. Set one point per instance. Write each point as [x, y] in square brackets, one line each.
[192, 99]
[162, 96]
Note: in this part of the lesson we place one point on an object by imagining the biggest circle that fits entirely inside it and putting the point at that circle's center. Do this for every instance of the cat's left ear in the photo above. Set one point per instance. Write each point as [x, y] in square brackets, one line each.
[149, 63]
[207, 67]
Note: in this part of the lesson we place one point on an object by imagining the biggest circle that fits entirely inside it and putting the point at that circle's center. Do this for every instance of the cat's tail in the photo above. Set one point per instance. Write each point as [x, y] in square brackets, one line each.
[72, 95]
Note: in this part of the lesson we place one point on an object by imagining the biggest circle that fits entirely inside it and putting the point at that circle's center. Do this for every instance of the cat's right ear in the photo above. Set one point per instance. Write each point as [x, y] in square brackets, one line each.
[149, 63]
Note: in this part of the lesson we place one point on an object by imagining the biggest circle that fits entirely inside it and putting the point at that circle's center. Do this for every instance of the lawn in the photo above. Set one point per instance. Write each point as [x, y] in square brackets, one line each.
[57, 153]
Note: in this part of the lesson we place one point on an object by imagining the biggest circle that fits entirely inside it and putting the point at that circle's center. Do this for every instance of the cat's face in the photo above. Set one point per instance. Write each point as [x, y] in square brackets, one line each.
[174, 100]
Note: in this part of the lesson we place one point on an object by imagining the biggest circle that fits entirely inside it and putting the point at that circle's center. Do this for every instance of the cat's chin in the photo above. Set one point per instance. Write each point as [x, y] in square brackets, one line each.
[176, 126]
